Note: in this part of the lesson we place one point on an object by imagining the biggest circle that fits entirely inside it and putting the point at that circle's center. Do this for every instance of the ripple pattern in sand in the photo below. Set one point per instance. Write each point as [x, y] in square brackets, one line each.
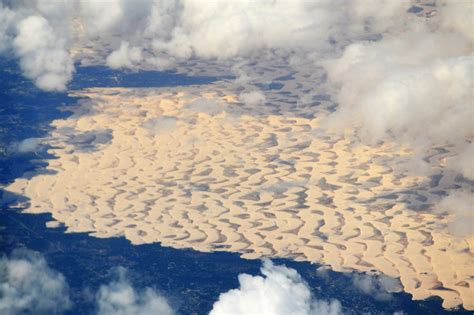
[197, 170]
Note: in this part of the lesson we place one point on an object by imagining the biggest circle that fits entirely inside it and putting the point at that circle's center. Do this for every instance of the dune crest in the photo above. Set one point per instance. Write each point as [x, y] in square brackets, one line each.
[192, 169]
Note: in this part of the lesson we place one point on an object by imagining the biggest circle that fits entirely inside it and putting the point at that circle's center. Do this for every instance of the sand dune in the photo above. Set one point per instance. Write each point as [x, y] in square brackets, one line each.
[195, 168]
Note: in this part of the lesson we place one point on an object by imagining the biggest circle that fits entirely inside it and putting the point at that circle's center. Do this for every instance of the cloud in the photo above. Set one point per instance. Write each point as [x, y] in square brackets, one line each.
[7, 17]
[161, 124]
[463, 162]
[457, 16]
[222, 29]
[206, 34]
[412, 86]
[388, 92]
[124, 57]
[281, 290]
[28, 285]
[170, 31]
[253, 98]
[120, 298]
[211, 106]
[26, 145]
[100, 16]
[393, 75]
[38, 33]
[379, 287]
[459, 205]
[43, 56]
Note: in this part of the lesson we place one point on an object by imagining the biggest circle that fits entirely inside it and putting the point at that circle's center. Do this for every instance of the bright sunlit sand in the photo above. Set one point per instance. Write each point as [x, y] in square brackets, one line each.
[192, 168]
[335, 134]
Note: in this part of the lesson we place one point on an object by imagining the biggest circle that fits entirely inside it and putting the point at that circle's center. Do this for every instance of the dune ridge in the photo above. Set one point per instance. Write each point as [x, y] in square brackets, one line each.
[196, 168]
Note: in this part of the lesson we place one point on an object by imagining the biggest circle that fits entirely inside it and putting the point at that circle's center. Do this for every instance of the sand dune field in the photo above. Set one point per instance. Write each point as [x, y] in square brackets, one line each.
[198, 168]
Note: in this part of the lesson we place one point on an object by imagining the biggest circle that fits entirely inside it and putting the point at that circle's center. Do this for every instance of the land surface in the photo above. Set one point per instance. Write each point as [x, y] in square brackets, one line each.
[199, 168]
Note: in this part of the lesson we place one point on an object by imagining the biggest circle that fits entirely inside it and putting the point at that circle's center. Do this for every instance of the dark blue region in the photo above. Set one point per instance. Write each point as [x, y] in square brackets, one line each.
[100, 76]
[25, 112]
[190, 280]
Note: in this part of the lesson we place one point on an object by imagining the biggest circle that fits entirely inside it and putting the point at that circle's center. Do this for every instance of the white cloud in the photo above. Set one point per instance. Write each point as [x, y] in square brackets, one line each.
[101, 17]
[26, 145]
[210, 106]
[172, 30]
[223, 29]
[457, 16]
[379, 287]
[253, 98]
[162, 124]
[388, 92]
[460, 206]
[120, 298]
[28, 285]
[124, 57]
[43, 56]
[464, 162]
[413, 86]
[281, 290]
[7, 17]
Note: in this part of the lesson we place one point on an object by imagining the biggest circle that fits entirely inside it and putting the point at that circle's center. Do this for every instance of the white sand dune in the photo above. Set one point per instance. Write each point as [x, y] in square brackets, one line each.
[189, 168]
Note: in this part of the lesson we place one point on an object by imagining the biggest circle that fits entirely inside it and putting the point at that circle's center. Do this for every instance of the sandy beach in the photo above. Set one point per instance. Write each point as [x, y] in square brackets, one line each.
[194, 168]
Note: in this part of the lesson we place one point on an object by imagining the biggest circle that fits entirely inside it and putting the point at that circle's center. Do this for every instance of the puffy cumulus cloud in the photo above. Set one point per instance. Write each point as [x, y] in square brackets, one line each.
[281, 290]
[412, 86]
[387, 87]
[124, 57]
[379, 287]
[171, 30]
[253, 98]
[120, 298]
[460, 206]
[37, 32]
[226, 29]
[101, 16]
[43, 56]
[28, 285]
[130, 27]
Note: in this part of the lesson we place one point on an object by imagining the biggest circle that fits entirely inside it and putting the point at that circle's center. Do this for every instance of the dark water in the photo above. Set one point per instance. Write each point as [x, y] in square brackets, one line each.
[191, 281]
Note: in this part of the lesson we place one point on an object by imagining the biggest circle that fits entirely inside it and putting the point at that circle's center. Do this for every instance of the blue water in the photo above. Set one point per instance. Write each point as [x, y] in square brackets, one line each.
[191, 281]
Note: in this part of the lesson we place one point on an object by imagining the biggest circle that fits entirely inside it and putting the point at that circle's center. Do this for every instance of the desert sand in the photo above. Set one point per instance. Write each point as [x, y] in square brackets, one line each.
[196, 168]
